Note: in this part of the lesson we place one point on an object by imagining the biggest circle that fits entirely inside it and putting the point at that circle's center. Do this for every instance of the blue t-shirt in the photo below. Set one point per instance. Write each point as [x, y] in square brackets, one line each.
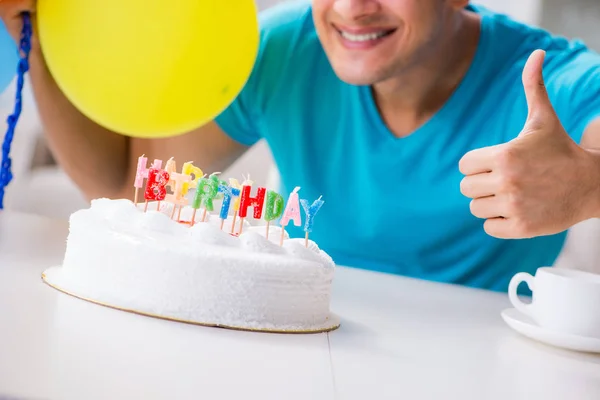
[394, 204]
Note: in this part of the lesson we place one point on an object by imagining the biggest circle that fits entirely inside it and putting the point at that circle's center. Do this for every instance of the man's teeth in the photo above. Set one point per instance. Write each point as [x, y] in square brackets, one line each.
[363, 38]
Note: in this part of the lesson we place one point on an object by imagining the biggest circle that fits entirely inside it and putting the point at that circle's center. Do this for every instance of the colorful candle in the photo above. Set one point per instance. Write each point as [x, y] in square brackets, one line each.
[177, 198]
[292, 209]
[228, 192]
[274, 209]
[156, 185]
[141, 172]
[206, 191]
[171, 167]
[178, 180]
[189, 169]
[236, 204]
[273, 206]
[311, 211]
[248, 201]
[235, 185]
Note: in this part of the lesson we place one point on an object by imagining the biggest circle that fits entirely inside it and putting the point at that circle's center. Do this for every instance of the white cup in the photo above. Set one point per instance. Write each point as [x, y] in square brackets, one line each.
[564, 300]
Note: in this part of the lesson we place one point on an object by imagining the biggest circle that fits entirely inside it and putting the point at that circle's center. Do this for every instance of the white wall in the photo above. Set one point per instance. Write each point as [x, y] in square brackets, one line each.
[528, 11]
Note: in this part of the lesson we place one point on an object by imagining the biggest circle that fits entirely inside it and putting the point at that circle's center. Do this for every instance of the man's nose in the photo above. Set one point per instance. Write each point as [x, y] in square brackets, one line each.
[356, 9]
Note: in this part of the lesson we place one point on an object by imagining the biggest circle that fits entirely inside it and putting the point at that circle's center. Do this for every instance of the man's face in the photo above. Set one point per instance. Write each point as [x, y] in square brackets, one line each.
[370, 41]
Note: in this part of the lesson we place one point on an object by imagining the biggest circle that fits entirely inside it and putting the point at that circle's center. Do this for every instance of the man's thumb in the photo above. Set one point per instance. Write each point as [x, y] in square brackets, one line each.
[538, 102]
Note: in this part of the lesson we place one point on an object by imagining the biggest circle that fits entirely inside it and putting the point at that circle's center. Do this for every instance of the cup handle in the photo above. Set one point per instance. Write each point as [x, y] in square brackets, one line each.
[512, 292]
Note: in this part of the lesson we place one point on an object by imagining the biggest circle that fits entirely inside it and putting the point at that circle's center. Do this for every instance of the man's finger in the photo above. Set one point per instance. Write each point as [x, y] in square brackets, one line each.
[487, 207]
[504, 228]
[498, 227]
[479, 185]
[538, 101]
[478, 161]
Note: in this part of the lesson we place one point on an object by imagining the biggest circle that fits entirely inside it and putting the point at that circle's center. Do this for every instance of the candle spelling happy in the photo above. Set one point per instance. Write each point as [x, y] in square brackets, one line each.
[156, 186]
[142, 173]
[190, 169]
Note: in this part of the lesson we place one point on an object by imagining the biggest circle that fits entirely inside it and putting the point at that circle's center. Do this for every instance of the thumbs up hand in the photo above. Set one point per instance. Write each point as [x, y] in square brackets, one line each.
[539, 183]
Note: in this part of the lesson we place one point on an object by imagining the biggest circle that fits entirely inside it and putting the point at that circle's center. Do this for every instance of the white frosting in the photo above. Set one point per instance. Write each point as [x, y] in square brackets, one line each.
[144, 261]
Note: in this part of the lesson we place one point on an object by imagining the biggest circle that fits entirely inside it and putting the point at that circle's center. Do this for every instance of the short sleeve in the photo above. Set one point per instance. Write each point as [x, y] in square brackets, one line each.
[575, 85]
[279, 27]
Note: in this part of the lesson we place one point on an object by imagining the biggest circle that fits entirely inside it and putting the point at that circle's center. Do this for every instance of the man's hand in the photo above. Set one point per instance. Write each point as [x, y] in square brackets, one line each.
[10, 13]
[539, 183]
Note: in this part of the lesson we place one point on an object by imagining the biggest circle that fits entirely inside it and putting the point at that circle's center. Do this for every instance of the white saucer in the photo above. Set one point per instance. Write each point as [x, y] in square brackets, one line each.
[526, 326]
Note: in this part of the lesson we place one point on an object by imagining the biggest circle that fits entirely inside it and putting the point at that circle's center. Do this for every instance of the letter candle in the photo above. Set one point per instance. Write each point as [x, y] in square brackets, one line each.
[142, 173]
[273, 208]
[236, 204]
[292, 211]
[228, 193]
[212, 188]
[188, 169]
[247, 201]
[177, 198]
[206, 191]
[310, 211]
[171, 167]
[155, 186]
[139, 176]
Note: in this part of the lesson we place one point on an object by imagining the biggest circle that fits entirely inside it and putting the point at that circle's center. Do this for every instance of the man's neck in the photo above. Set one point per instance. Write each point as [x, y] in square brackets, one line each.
[408, 100]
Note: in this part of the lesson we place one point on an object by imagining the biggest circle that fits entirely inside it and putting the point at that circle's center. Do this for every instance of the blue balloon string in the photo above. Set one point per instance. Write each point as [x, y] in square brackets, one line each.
[23, 66]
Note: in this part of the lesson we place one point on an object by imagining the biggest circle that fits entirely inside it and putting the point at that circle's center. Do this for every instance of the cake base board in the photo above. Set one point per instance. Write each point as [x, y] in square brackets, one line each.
[51, 277]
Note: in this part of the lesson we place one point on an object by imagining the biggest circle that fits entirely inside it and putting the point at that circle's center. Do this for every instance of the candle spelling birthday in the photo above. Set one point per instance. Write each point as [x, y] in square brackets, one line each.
[172, 187]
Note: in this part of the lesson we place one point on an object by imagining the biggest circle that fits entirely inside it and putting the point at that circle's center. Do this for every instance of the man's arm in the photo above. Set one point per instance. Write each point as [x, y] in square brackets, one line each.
[103, 163]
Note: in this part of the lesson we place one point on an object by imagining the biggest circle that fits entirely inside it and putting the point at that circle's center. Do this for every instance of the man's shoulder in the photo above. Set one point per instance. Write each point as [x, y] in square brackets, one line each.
[289, 48]
[287, 34]
[571, 69]
[508, 43]
[285, 14]
[514, 41]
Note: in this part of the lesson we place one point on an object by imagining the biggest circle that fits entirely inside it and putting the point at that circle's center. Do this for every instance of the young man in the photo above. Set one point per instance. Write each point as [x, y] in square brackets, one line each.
[440, 149]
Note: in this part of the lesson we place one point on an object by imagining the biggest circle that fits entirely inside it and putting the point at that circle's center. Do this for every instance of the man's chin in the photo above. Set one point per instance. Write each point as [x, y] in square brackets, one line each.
[355, 78]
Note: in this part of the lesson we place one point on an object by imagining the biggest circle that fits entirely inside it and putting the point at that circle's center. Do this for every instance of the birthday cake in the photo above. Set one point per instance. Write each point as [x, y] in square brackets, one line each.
[174, 258]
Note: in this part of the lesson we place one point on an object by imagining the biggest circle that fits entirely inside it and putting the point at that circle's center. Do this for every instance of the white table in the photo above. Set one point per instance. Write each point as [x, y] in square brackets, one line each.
[399, 339]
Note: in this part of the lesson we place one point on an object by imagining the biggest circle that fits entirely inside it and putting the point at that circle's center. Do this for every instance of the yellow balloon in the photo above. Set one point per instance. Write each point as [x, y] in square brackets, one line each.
[149, 68]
